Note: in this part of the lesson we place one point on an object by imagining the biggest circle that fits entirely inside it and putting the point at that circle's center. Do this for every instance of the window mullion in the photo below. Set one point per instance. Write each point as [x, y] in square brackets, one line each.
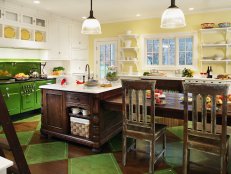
[177, 52]
[160, 52]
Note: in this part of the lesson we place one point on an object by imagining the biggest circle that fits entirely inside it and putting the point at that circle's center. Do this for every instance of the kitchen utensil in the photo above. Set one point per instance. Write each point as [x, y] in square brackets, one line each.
[34, 73]
[127, 43]
[75, 110]
[9, 32]
[39, 36]
[85, 112]
[224, 24]
[207, 25]
[25, 34]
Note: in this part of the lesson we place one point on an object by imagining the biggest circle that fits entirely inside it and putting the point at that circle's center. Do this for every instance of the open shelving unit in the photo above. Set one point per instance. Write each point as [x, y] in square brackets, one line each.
[128, 54]
[223, 46]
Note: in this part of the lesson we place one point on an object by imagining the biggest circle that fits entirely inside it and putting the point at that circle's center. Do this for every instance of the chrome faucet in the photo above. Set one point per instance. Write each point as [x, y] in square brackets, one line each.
[87, 68]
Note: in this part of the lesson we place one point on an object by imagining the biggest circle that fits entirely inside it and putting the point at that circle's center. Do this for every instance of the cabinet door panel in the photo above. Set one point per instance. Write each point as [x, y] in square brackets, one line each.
[13, 103]
[28, 102]
[12, 97]
[54, 115]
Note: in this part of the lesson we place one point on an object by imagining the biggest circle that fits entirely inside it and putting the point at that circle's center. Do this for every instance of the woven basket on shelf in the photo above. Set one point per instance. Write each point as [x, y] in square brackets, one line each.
[80, 127]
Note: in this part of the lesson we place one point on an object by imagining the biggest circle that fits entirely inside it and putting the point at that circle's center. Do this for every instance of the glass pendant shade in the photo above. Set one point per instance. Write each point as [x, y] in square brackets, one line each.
[91, 25]
[173, 17]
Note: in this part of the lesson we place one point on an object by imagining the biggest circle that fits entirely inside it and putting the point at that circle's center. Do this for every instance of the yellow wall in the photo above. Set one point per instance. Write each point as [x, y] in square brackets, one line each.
[152, 26]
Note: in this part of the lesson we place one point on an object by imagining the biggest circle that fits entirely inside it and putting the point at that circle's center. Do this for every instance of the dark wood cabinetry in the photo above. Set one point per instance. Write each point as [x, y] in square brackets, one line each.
[54, 116]
[56, 113]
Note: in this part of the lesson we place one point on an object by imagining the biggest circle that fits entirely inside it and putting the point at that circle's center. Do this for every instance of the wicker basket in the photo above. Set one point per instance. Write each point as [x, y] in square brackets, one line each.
[80, 127]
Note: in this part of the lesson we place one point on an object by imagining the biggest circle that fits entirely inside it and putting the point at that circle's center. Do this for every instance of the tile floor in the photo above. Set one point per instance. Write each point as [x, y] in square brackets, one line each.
[53, 156]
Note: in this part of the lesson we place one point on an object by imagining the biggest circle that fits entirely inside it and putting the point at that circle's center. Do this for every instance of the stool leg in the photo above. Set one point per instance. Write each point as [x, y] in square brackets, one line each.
[124, 150]
[185, 159]
[164, 144]
[152, 157]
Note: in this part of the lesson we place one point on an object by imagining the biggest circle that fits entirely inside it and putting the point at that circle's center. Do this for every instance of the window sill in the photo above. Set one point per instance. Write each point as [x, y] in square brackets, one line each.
[169, 68]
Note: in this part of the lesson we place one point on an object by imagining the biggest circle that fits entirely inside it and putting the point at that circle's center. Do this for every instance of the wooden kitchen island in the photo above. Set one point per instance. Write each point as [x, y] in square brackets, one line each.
[57, 102]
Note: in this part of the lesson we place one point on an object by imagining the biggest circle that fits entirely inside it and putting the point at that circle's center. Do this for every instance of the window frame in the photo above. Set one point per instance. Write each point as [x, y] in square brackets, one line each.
[176, 36]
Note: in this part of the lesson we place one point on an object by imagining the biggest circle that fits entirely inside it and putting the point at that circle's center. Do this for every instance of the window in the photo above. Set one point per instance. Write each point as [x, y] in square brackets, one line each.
[106, 53]
[171, 51]
[107, 58]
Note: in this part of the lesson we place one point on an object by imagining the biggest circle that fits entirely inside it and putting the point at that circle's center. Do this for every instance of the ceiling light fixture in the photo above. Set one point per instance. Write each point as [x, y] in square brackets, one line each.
[91, 25]
[36, 2]
[173, 17]
[138, 15]
[191, 9]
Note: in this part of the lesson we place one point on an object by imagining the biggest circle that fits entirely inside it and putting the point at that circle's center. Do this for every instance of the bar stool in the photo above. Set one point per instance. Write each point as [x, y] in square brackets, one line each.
[137, 124]
[203, 135]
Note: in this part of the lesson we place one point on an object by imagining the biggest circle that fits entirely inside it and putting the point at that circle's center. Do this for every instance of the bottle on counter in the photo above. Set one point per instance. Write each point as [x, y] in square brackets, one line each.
[211, 72]
[208, 72]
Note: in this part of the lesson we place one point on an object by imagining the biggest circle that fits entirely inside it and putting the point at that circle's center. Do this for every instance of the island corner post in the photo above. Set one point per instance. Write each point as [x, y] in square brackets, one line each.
[56, 114]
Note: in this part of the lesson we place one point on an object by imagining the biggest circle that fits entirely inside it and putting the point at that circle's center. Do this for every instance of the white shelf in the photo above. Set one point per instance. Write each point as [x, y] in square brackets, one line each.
[211, 30]
[130, 48]
[129, 36]
[128, 61]
[216, 61]
[216, 45]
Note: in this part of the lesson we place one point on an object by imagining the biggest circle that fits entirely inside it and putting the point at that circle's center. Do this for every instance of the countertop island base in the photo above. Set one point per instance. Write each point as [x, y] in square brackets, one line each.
[101, 125]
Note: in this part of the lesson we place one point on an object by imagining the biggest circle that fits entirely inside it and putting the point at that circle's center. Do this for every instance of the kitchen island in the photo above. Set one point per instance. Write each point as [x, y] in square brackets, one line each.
[58, 102]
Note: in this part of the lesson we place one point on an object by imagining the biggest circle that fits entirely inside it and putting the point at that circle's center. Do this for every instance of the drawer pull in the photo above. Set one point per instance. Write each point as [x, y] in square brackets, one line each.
[76, 98]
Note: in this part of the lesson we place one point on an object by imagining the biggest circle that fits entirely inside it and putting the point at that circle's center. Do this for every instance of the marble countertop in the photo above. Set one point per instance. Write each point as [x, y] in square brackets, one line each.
[81, 88]
[5, 163]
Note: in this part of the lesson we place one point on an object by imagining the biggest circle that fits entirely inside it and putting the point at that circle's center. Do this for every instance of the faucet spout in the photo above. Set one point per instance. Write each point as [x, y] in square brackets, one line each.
[87, 69]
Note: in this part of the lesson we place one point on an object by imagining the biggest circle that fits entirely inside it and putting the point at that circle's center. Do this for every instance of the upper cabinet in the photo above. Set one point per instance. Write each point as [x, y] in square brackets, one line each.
[79, 43]
[21, 30]
[59, 39]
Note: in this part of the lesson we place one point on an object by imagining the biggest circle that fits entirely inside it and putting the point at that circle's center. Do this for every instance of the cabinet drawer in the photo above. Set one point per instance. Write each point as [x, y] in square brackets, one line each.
[77, 98]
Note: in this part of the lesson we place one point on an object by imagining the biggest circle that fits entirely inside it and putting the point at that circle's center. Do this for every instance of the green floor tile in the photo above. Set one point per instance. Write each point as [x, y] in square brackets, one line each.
[24, 137]
[39, 126]
[46, 152]
[116, 143]
[94, 164]
[178, 131]
[36, 117]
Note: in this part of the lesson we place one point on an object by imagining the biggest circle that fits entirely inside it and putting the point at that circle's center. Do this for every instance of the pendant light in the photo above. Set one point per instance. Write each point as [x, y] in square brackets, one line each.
[91, 25]
[173, 17]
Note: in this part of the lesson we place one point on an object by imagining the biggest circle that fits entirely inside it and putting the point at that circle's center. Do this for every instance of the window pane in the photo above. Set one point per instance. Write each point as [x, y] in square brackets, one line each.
[189, 58]
[156, 46]
[181, 44]
[189, 44]
[149, 59]
[156, 59]
[182, 58]
[149, 46]
[169, 47]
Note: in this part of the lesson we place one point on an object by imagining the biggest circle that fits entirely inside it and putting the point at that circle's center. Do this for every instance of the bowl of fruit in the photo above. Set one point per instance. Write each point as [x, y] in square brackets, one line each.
[21, 76]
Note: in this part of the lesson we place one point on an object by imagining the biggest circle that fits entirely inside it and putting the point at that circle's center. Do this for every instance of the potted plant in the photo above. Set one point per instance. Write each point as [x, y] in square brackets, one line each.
[58, 70]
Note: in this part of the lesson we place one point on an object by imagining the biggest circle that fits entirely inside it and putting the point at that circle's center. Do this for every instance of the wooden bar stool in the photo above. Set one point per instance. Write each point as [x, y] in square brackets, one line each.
[204, 134]
[11, 143]
[137, 124]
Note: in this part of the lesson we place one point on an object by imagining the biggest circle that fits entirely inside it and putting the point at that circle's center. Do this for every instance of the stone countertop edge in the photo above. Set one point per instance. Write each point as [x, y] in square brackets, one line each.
[80, 88]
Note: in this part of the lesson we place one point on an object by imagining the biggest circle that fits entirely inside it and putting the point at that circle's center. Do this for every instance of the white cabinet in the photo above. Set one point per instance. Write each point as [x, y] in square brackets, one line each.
[79, 43]
[128, 53]
[215, 47]
[59, 40]
[20, 30]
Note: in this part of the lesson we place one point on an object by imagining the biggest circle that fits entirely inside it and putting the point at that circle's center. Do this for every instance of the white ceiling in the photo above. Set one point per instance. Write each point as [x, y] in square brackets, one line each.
[122, 10]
